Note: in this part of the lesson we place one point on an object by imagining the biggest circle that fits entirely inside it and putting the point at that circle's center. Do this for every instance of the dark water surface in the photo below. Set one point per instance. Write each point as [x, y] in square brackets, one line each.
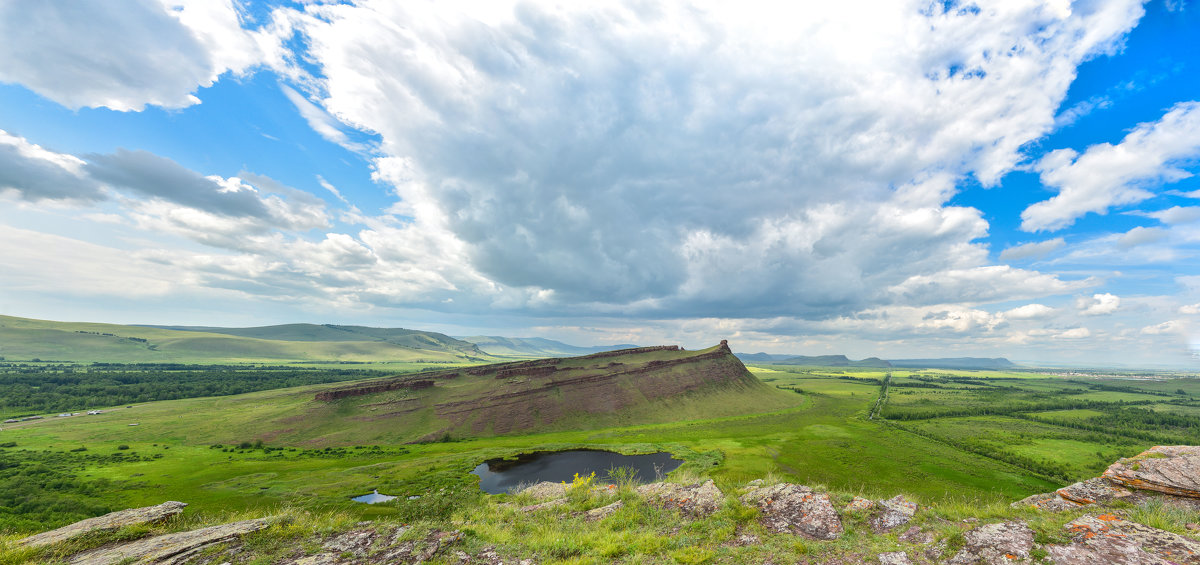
[501, 475]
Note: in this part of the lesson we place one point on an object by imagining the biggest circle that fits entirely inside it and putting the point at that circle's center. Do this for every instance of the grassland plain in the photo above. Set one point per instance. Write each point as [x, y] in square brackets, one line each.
[261, 452]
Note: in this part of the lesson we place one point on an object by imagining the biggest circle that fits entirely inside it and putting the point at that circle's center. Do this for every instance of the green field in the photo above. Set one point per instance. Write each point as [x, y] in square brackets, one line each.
[938, 436]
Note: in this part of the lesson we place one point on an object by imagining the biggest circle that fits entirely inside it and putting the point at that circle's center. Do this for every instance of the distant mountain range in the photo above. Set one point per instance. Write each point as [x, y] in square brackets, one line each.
[24, 339]
[413, 339]
[535, 346]
[993, 363]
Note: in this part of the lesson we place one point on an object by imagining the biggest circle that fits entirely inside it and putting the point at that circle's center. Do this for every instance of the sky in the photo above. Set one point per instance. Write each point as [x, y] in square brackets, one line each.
[894, 178]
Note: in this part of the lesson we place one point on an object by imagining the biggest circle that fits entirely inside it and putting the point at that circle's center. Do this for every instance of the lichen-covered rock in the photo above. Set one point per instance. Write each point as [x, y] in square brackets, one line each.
[169, 549]
[1092, 491]
[796, 509]
[996, 544]
[859, 503]
[108, 522]
[915, 535]
[893, 513]
[604, 511]
[1111, 540]
[894, 558]
[546, 490]
[1171, 469]
[368, 546]
[1048, 501]
[699, 499]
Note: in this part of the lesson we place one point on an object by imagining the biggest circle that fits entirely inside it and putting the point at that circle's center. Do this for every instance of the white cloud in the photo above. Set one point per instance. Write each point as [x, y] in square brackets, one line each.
[1140, 236]
[1033, 249]
[983, 284]
[1190, 309]
[1177, 214]
[1168, 327]
[740, 141]
[320, 121]
[1075, 333]
[1029, 312]
[36, 262]
[126, 54]
[36, 173]
[1098, 304]
[1109, 175]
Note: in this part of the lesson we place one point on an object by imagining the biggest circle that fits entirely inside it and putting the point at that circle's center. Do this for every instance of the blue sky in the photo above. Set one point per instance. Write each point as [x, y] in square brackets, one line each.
[904, 180]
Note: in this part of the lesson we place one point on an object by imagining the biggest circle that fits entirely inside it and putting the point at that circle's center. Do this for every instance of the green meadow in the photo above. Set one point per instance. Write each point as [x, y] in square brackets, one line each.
[938, 436]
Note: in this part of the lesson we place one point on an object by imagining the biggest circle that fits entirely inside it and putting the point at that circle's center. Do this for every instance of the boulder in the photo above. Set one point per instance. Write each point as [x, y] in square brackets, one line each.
[995, 544]
[894, 558]
[859, 503]
[893, 513]
[1111, 540]
[915, 535]
[546, 490]
[107, 522]
[604, 511]
[369, 546]
[1170, 469]
[1048, 501]
[699, 499]
[795, 509]
[1092, 491]
[169, 549]
[1083, 493]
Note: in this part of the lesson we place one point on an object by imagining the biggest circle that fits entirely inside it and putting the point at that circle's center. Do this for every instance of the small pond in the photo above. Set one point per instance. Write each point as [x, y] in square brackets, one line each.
[373, 498]
[501, 475]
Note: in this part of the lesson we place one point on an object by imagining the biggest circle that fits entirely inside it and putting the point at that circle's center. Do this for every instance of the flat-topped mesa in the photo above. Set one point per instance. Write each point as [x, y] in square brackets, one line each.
[373, 387]
[536, 368]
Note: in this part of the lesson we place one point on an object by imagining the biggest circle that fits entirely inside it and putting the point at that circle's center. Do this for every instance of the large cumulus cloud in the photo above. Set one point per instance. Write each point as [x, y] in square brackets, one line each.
[687, 159]
[125, 54]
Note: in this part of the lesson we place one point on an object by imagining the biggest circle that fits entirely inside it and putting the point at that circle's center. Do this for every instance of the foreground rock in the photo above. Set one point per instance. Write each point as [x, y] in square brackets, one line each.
[699, 499]
[1091, 491]
[1170, 469]
[108, 522]
[1109, 539]
[371, 546]
[1006, 542]
[894, 512]
[795, 509]
[546, 490]
[169, 549]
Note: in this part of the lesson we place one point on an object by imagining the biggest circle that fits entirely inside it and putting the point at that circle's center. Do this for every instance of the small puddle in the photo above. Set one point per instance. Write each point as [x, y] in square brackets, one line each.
[373, 498]
[502, 475]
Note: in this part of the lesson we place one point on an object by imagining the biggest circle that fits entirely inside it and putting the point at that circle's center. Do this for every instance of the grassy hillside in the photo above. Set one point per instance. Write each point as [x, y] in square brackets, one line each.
[414, 339]
[27, 339]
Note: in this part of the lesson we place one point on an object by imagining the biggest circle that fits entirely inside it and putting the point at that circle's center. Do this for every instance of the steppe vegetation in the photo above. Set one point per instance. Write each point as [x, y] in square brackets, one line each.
[962, 443]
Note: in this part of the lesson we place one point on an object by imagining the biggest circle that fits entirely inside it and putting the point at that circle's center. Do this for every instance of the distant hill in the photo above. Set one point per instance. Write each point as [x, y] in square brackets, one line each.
[414, 339]
[535, 346]
[643, 385]
[812, 360]
[996, 363]
[993, 363]
[24, 339]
